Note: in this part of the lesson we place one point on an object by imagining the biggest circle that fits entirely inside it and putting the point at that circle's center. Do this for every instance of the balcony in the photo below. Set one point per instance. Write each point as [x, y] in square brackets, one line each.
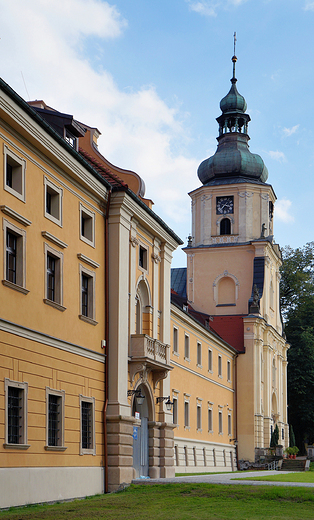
[149, 355]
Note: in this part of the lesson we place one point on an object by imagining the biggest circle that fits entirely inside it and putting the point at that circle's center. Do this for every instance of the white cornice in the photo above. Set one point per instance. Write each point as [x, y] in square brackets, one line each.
[16, 216]
[87, 260]
[144, 218]
[50, 145]
[54, 239]
[33, 335]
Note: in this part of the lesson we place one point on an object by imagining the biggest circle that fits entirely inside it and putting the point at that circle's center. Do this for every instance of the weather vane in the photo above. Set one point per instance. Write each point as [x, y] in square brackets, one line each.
[234, 42]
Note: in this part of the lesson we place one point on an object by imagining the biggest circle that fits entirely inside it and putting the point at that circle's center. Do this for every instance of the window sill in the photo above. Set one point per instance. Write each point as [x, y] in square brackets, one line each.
[53, 219]
[187, 359]
[226, 305]
[199, 430]
[88, 320]
[55, 448]
[87, 241]
[199, 366]
[175, 353]
[56, 305]
[16, 446]
[16, 287]
[187, 428]
[88, 452]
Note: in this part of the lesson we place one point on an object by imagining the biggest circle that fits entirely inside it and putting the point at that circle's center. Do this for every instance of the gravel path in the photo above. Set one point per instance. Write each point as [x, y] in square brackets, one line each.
[224, 478]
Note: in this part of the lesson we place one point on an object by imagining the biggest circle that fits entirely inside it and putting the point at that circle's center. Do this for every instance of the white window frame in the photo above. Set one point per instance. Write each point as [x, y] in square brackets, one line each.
[186, 414]
[220, 422]
[91, 275]
[219, 365]
[58, 302]
[57, 193]
[20, 165]
[199, 354]
[23, 387]
[143, 267]
[210, 419]
[210, 360]
[20, 284]
[199, 417]
[229, 371]
[92, 450]
[175, 410]
[61, 395]
[186, 347]
[90, 216]
[175, 336]
[229, 424]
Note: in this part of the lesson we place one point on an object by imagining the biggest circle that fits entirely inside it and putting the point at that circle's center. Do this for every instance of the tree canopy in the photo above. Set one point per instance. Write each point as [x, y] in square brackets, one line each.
[297, 306]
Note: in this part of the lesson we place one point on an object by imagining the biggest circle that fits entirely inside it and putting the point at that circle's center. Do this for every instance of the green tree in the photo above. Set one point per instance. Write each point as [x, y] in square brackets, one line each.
[297, 306]
[297, 277]
[274, 437]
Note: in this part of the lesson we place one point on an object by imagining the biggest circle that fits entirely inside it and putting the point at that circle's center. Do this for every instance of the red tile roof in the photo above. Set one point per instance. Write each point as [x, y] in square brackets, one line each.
[231, 329]
[110, 177]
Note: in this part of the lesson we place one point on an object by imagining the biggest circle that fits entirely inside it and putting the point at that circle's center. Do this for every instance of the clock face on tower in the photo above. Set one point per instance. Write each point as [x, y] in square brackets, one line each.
[224, 205]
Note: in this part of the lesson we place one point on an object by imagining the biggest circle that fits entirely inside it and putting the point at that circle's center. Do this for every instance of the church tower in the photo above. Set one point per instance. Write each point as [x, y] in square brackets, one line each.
[233, 273]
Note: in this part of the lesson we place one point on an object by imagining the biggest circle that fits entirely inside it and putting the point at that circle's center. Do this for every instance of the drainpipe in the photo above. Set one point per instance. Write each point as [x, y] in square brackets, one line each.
[106, 338]
[236, 409]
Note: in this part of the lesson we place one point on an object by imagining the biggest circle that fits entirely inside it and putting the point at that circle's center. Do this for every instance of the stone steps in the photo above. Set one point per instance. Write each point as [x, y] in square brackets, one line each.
[293, 465]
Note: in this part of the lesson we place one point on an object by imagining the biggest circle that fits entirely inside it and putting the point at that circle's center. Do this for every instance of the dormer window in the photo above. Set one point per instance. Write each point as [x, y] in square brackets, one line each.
[71, 139]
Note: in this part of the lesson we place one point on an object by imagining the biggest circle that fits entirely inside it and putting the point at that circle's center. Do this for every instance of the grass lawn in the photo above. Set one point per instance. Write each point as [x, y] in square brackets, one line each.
[180, 502]
[300, 476]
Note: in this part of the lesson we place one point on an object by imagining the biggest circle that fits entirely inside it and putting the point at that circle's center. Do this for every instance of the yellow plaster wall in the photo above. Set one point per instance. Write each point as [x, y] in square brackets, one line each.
[30, 310]
[198, 385]
[40, 365]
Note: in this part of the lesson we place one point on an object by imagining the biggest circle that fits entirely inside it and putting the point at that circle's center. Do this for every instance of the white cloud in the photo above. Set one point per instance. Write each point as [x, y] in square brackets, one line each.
[309, 5]
[204, 8]
[139, 130]
[290, 131]
[282, 208]
[277, 156]
[210, 7]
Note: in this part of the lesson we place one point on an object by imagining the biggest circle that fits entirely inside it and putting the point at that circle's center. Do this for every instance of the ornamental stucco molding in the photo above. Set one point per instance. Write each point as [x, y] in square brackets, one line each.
[156, 258]
[134, 241]
[246, 194]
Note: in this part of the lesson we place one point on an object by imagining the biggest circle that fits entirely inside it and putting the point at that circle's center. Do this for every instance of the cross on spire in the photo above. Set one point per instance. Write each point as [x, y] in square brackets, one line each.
[234, 58]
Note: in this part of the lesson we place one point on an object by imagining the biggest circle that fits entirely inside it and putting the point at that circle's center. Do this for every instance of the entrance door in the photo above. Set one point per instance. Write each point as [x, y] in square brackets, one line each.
[140, 449]
[140, 436]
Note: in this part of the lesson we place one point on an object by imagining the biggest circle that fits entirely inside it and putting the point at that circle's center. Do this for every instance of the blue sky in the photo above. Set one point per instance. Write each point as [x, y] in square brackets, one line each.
[150, 74]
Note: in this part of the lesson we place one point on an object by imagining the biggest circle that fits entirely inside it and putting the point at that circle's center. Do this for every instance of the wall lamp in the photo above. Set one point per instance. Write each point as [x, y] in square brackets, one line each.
[138, 396]
[168, 403]
[235, 441]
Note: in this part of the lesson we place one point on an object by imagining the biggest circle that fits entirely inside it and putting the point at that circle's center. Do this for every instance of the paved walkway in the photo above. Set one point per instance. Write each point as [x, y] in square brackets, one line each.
[225, 478]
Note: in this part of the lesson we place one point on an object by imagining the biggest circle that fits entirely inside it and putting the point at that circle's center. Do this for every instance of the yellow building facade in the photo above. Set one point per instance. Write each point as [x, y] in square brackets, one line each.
[203, 396]
[51, 326]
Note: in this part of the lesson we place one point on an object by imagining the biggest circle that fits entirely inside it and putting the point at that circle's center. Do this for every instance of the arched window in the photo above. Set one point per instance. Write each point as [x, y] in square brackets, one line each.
[225, 226]
[143, 317]
[226, 291]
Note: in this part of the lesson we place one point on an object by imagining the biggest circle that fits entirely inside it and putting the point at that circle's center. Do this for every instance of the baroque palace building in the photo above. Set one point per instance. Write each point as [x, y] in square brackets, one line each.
[112, 366]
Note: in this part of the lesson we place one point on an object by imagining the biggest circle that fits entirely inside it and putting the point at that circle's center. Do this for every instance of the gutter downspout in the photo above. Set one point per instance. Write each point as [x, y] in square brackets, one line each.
[236, 409]
[106, 338]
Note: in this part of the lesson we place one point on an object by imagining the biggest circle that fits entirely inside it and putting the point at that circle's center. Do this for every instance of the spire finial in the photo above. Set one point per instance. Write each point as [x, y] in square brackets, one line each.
[234, 58]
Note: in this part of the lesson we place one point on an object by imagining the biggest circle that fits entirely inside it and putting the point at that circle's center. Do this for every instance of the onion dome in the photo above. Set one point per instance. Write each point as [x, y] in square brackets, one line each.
[233, 161]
